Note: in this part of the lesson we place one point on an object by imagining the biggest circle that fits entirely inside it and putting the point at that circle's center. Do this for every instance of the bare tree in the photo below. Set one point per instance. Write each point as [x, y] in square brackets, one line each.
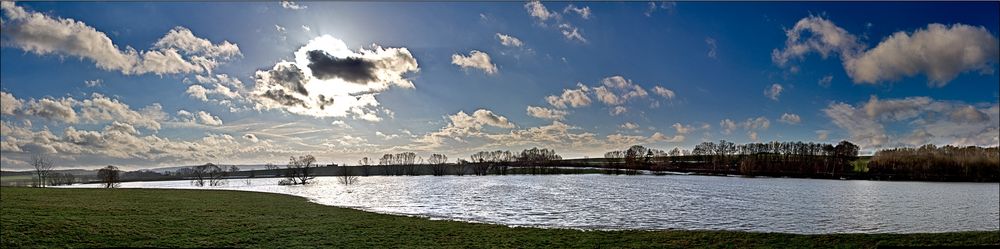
[298, 170]
[438, 164]
[210, 172]
[43, 167]
[109, 176]
[347, 176]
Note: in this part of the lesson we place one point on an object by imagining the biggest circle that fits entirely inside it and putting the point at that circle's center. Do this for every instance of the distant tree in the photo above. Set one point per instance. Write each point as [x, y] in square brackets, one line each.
[43, 167]
[438, 164]
[56, 179]
[299, 170]
[109, 176]
[347, 176]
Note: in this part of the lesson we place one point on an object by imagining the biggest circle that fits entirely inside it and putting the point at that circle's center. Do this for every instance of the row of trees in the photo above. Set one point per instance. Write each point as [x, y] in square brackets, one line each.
[724, 157]
[930, 162]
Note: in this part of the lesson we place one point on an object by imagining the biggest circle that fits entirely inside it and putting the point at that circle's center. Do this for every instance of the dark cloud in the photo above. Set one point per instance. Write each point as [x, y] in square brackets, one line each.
[280, 96]
[324, 101]
[352, 69]
[290, 76]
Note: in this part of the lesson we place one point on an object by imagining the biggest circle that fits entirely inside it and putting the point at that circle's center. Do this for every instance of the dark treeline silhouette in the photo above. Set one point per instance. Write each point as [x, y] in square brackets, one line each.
[930, 163]
[775, 159]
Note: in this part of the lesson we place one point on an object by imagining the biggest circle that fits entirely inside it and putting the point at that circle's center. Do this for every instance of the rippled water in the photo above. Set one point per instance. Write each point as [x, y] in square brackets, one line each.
[661, 202]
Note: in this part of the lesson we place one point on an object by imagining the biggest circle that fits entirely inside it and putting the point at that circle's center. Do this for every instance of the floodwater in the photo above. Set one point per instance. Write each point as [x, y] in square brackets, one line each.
[593, 201]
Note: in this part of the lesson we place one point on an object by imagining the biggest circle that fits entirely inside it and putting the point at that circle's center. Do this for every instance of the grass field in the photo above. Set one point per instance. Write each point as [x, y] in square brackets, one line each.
[202, 218]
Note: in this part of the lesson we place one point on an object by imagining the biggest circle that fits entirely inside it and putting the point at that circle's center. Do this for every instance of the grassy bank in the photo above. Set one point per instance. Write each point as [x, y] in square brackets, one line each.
[201, 218]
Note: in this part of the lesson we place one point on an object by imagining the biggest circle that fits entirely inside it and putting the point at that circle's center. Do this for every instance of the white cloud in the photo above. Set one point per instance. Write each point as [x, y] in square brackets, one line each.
[571, 33]
[9, 103]
[508, 40]
[662, 91]
[102, 109]
[928, 121]
[478, 119]
[292, 5]
[327, 79]
[790, 118]
[712, 46]
[571, 97]
[306, 28]
[200, 117]
[629, 126]
[939, 51]
[386, 137]
[60, 110]
[727, 126]
[546, 113]
[773, 92]
[670, 7]
[543, 16]
[537, 10]
[179, 51]
[93, 83]
[816, 34]
[617, 110]
[682, 129]
[476, 59]
[583, 12]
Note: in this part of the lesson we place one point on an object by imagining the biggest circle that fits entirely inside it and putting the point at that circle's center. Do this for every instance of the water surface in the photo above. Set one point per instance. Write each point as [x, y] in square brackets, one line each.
[593, 201]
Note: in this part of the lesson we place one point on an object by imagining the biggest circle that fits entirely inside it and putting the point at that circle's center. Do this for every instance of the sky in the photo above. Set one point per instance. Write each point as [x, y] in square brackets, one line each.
[144, 85]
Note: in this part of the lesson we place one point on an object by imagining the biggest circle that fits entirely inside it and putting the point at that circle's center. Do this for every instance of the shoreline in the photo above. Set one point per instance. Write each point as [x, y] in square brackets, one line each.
[539, 226]
[225, 218]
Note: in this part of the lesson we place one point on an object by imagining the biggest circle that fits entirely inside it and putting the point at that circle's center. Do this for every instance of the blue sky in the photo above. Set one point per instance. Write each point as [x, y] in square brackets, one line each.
[582, 78]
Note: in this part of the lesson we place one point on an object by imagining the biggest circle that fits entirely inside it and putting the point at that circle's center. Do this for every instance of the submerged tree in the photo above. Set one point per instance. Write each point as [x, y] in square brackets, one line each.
[109, 176]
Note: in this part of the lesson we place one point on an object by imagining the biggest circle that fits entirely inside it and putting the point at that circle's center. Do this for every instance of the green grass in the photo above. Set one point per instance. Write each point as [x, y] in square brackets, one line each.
[201, 218]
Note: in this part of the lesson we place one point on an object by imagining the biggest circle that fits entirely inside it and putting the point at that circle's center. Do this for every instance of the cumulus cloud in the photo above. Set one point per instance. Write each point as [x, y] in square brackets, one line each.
[179, 51]
[547, 18]
[119, 141]
[583, 12]
[478, 119]
[97, 109]
[571, 97]
[682, 129]
[292, 5]
[790, 118]
[727, 126]
[750, 125]
[476, 59]
[327, 79]
[629, 126]
[546, 113]
[941, 52]
[100, 108]
[59, 110]
[617, 110]
[9, 103]
[93, 83]
[773, 92]
[926, 121]
[663, 91]
[508, 40]
[200, 117]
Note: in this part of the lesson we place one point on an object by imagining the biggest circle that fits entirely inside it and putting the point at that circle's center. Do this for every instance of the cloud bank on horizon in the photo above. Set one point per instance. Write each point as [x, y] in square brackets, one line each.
[92, 89]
